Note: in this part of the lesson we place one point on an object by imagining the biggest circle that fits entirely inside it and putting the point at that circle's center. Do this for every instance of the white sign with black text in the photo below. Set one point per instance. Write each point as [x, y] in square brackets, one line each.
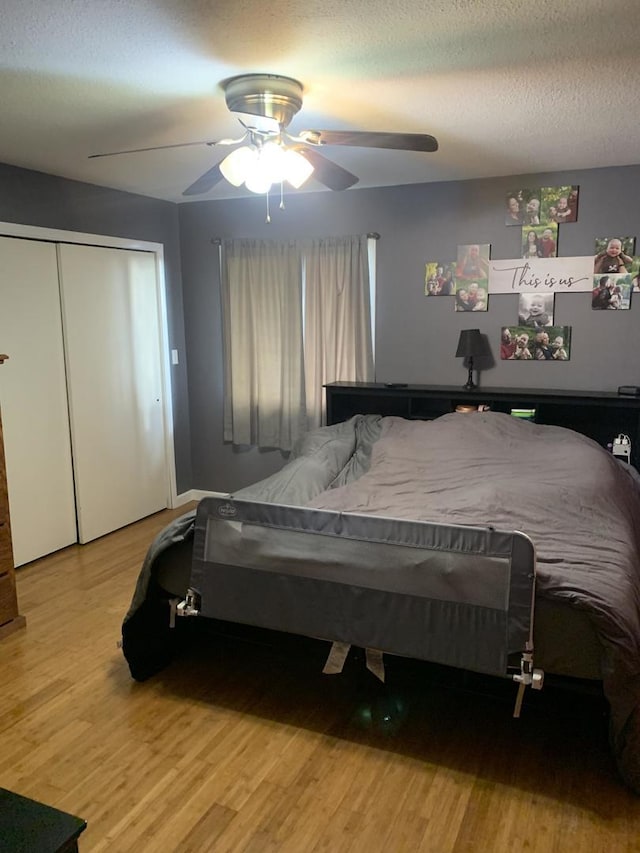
[547, 275]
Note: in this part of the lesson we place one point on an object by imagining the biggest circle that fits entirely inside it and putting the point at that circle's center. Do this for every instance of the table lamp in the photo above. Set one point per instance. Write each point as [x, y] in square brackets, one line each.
[469, 346]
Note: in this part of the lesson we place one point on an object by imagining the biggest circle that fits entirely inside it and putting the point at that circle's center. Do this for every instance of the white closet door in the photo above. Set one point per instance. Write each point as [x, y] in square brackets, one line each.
[33, 397]
[112, 343]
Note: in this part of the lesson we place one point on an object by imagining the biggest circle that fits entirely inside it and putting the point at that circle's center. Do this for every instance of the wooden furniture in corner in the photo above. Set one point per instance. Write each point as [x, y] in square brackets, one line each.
[10, 619]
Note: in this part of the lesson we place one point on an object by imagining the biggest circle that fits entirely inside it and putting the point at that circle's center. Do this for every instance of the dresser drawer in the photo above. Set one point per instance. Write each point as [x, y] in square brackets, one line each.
[8, 601]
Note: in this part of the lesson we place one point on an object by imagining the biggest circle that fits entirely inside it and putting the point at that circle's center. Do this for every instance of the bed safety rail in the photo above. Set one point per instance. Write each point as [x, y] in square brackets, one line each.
[190, 605]
[450, 594]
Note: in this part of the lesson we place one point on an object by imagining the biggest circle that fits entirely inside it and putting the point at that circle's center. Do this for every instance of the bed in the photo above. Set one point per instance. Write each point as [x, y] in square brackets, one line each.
[424, 539]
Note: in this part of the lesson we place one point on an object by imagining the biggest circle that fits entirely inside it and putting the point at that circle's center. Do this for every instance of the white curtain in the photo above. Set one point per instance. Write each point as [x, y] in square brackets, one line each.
[262, 322]
[338, 345]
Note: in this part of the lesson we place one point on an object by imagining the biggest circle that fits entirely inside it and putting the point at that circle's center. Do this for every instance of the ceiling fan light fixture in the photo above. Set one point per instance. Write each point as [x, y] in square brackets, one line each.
[259, 168]
[272, 162]
[257, 180]
[297, 169]
[238, 163]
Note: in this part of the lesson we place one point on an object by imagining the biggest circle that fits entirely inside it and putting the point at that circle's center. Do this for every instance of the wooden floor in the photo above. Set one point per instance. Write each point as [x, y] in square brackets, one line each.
[242, 746]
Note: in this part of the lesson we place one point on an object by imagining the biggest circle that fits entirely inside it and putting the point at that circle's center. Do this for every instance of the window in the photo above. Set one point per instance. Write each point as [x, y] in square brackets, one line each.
[275, 372]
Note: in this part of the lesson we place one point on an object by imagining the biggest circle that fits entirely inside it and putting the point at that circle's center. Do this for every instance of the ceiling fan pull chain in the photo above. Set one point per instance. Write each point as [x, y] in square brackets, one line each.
[281, 195]
[268, 219]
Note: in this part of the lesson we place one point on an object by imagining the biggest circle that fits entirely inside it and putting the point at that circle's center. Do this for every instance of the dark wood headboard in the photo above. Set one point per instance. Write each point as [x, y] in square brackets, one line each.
[600, 415]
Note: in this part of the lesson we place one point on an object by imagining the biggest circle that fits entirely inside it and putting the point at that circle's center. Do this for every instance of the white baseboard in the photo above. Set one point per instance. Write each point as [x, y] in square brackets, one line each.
[197, 495]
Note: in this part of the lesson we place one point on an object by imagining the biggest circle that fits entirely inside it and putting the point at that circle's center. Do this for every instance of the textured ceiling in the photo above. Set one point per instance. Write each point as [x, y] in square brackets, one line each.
[506, 86]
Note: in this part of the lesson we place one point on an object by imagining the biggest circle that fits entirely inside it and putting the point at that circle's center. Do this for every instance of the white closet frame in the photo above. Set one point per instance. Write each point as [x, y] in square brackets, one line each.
[55, 235]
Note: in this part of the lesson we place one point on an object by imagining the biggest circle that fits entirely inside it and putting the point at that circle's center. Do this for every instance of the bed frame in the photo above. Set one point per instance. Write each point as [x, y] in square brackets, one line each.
[458, 596]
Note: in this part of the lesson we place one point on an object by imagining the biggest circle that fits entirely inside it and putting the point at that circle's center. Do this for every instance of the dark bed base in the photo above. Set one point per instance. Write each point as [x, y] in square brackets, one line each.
[151, 646]
[565, 643]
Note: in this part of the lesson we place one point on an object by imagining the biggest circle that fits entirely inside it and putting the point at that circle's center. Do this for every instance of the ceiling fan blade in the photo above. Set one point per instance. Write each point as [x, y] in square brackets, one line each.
[372, 139]
[151, 148]
[326, 171]
[205, 182]
[208, 142]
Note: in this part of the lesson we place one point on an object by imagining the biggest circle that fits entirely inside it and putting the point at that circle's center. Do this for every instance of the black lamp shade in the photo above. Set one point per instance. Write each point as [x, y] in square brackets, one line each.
[469, 344]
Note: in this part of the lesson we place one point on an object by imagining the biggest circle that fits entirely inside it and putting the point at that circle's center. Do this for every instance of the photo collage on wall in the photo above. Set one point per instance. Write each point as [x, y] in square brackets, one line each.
[615, 273]
[466, 278]
[538, 212]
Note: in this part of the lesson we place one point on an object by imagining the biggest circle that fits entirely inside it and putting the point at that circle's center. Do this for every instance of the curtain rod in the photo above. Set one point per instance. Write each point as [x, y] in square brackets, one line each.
[372, 235]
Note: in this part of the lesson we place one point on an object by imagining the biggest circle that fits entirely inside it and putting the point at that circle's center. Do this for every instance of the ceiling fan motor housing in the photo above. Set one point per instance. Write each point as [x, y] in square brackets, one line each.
[268, 95]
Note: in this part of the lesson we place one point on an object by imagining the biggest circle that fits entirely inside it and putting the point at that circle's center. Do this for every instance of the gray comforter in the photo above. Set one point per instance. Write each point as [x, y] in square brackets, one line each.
[579, 505]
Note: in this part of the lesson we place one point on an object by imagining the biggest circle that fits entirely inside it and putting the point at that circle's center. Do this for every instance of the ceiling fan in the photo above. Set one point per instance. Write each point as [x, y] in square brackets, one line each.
[265, 104]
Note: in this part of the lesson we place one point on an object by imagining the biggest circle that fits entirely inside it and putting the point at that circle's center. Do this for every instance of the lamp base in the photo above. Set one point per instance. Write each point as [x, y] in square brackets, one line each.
[470, 384]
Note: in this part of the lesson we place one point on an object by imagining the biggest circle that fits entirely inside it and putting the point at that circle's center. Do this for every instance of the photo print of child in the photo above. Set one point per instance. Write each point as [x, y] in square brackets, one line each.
[536, 310]
[470, 296]
[473, 264]
[614, 255]
[611, 292]
[559, 204]
[560, 344]
[522, 343]
[439, 278]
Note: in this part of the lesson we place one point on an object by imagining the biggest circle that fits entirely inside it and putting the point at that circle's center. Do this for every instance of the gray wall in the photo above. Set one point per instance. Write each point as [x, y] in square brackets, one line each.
[416, 337]
[33, 198]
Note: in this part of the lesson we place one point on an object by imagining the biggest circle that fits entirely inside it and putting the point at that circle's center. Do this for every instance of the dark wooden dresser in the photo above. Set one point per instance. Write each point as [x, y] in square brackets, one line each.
[27, 826]
[10, 619]
[600, 415]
